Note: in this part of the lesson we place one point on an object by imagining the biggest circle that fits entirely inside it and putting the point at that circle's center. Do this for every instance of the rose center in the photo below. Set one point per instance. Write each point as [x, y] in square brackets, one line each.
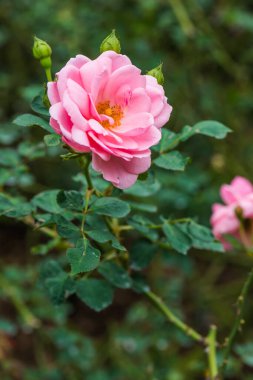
[115, 112]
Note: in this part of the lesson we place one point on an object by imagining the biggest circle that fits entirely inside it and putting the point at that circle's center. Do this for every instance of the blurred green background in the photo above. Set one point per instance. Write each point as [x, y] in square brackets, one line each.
[206, 47]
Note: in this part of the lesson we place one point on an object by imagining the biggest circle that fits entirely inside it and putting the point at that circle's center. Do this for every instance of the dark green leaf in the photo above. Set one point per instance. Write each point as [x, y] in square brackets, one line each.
[143, 206]
[14, 207]
[67, 229]
[139, 284]
[110, 206]
[211, 128]
[115, 274]
[172, 161]
[208, 127]
[20, 210]
[38, 106]
[176, 238]
[202, 238]
[169, 140]
[245, 351]
[142, 224]
[141, 254]
[97, 294]
[83, 259]
[103, 235]
[29, 120]
[144, 188]
[71, 199]
[56, 282]
[47, 201]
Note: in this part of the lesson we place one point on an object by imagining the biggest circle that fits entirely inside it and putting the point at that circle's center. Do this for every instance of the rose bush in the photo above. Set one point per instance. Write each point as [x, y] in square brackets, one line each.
[102, 239]
[107, 107]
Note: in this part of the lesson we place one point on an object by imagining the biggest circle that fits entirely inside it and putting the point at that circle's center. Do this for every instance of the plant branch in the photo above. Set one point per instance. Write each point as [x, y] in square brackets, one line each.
[238, 319]
[157, 301]
[211, 353]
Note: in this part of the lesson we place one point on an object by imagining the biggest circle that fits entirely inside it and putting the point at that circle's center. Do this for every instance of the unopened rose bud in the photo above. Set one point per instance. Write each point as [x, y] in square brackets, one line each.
[111, 42]
[157, 73]
[42, 51]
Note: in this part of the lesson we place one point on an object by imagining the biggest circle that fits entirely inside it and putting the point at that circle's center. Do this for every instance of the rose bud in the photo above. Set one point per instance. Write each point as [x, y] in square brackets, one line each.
[111, 42]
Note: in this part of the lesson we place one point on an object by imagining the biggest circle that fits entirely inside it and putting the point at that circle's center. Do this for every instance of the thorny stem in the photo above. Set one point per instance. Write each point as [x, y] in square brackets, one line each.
[238, 319]
[155, 226]
[87, 174]
[211, 353]
[209, 342]
[157, 301]
[87, 199]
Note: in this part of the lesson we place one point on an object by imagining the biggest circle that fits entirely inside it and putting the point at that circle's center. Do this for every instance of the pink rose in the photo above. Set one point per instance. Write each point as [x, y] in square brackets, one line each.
[107, 107]
[238, 199]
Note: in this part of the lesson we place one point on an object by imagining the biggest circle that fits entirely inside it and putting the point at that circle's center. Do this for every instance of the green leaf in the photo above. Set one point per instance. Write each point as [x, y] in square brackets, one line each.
[83, 259]
[139, 284]
[208, 128]
[14, 207]
[38, 106]
[212, 128]
[9, 157]
[110, 206]
[67, 229]
[6, 203]
[202, 238]
[56, 282]
[97, 294]
[20, 210]
[47, 201]
[141, 224]
[141, 254]
[245, 351]
[143, 206]
[177, 238]
[29, 120]
[172, 161]
[168, 141]
[52, 140]
[144, 188]
[115, 274]
[104, 235]
[72, 199]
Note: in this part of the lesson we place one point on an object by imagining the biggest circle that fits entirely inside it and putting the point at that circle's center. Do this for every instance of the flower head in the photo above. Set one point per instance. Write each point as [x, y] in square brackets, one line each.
[235, 218]
[107, 107]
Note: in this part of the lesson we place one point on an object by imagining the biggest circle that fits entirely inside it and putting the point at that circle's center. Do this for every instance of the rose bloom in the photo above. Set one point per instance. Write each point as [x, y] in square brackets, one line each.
[106, 107]
[235, 218]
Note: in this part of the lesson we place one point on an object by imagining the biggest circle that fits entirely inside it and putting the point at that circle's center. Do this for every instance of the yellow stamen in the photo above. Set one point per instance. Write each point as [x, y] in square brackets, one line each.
[115, 112]
[108, 111]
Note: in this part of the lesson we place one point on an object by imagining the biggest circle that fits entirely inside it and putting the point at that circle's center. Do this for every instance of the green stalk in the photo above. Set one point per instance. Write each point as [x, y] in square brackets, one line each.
[157, 301]
[212, 358]
[238, 319]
